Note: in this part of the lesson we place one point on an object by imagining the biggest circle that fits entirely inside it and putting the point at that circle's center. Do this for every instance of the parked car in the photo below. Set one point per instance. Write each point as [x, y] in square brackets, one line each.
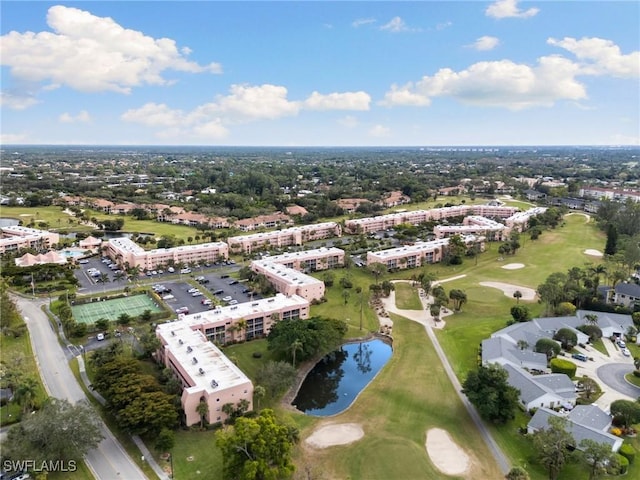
[580, 356]
[227, 298]
[233, 302]
[218, 292]
[184, 310]
[206, 301]
[233, 282]
[171, 269]
[100, 337]
[185, 270]
[197, 294]
[626, 352]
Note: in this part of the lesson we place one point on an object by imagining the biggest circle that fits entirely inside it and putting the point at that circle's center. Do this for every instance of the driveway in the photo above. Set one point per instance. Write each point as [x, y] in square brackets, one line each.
[613, 374]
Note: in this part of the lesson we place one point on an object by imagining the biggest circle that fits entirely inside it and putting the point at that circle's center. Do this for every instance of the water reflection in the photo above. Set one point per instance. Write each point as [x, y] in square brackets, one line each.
[336, 380]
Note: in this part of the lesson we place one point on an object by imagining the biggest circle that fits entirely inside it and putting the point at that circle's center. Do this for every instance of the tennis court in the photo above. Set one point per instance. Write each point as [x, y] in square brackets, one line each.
[112, 309]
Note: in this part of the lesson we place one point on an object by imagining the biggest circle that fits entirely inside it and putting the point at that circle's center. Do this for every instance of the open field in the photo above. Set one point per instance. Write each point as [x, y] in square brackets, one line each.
[111, 309]
[407, 297]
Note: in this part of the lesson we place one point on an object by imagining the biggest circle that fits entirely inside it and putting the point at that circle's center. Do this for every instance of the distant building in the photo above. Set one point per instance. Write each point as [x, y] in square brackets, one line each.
[293, 236]
[16, 237]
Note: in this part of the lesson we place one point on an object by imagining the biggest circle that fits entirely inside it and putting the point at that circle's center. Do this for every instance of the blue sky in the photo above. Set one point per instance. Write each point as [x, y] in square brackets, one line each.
[284, 73]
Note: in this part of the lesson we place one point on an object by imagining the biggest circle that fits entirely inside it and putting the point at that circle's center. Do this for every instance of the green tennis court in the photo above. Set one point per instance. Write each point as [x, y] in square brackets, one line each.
[112, 309]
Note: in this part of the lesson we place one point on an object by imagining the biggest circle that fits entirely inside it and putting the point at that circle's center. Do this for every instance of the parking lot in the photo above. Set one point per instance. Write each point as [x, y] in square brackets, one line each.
[221, 287]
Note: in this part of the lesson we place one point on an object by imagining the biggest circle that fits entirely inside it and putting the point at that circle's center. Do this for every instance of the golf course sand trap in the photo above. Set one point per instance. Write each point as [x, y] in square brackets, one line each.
[335, 434]
[445, 454]
[513, 266]
[593, 253]
[508, 289]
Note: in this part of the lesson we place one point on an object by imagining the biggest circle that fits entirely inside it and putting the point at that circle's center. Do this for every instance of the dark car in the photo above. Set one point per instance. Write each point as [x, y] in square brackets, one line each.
[224, 276]
[218, 292]
[233, 282]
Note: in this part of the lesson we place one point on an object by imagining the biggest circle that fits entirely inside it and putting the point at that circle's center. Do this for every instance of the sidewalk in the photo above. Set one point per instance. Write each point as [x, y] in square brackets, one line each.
[146, 454]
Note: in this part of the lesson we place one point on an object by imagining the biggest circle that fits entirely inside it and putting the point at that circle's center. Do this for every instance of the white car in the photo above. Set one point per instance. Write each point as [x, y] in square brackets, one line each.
[233, 302]
[626, 352]
[171, 269]
[196, 294]
[226, 299]
[100, 337]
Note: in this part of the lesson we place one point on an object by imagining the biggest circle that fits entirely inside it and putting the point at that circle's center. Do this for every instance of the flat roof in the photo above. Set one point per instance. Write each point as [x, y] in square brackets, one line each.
[264, 306]
[204, 366]
[316, 252]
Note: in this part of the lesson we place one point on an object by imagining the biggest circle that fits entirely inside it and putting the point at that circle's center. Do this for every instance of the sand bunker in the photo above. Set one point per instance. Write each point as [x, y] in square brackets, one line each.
[593, 253]
[337, 434]
[513, 266]
[445, 454]
[508, 289]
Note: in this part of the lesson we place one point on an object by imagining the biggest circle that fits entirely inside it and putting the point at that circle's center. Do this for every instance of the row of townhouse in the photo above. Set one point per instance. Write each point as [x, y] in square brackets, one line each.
[416, 217]
[127, 252]
[293, 236]
[391, 199]
[513, 348]
[283, 271]
[418, 254]
[474, 225]
[619, 194]
[205, 373]
[16, 237]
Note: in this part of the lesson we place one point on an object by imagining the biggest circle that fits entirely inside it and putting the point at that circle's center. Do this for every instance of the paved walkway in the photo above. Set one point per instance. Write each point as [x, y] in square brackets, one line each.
[424, 317]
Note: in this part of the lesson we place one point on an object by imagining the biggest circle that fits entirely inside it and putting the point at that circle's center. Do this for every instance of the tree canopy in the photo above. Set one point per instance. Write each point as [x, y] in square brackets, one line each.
[311, 336]
[488, 390]
[552, 446]
[257, 448]
[58, 431]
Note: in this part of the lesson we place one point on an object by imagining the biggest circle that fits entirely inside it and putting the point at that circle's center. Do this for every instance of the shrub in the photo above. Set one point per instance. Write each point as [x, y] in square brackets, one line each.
[593, 331]
[627, 451]
[257, 354]
[636, 373]
[616, 431]
[559, 365]
[550, 347]
[623, 464]
[567, 338]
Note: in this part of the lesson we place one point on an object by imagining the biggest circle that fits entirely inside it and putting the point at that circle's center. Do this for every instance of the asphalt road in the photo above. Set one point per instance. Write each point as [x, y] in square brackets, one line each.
[109, 460]
[612, 374]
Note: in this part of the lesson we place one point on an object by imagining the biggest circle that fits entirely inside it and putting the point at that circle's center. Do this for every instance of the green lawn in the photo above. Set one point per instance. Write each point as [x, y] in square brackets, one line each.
[407, 297]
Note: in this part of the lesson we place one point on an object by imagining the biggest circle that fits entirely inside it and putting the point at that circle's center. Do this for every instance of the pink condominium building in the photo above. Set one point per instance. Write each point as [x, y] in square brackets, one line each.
[205, 373]
[420, 253]
[125, 251]
[284, 238]
[383, 222]
[473, 225]
[17, 237]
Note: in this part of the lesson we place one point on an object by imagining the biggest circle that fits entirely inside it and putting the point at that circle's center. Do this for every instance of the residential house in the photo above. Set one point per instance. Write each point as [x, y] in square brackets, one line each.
[584, 422]
[552, 390]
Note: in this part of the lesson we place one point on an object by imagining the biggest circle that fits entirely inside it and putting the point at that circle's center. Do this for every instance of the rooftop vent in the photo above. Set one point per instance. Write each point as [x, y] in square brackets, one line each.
[189, 349]
[180, 341]
[194, 360]
[214, 384]
[201, 371]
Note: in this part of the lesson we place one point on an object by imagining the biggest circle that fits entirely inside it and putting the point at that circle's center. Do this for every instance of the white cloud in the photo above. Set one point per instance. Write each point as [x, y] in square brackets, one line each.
[362, 21]
[243, 104]
[405, 95]
[247, 102]
[82, 117]
[349, 121]
[601, 57]
[498, 84]
[397, 25]
[17, 100]
[9, 138]
[485, 43]
[338, 101]
[509, 9]
[379, 131]
[92, 54]
[154, 115]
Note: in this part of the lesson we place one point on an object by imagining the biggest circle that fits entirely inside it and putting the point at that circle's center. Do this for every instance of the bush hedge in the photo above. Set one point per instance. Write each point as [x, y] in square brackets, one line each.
[560, 365]
[627, 451]
[623, 464]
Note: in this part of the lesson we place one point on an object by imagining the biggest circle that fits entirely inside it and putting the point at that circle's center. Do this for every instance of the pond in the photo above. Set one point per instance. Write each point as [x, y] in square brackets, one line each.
[8, 222]
[335, 381]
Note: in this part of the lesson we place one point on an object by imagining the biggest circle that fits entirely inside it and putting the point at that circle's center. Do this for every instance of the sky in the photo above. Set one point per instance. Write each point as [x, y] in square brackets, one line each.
[330, 73]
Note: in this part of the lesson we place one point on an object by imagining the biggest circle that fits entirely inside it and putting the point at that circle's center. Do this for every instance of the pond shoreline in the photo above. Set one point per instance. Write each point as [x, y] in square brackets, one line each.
[306, 367]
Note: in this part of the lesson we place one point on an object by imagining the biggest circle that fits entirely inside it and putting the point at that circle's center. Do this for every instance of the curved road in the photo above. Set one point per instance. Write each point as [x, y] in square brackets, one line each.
[612, 374]
[108, 461]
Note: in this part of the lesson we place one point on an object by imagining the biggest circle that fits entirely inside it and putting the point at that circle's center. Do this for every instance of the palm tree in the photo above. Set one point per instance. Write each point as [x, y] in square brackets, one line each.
[203, 410]
[517, 295]
[296, 346]
[103, 279]
[25, 394]
[241, 325]
[591, 319]
[258, 393]
[434, 310]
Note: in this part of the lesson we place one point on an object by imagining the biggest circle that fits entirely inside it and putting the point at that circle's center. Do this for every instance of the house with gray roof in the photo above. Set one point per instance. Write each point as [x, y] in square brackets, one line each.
[584, 422]
[554, 390]
[626, 294]
[501, 350]
[611, 324]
